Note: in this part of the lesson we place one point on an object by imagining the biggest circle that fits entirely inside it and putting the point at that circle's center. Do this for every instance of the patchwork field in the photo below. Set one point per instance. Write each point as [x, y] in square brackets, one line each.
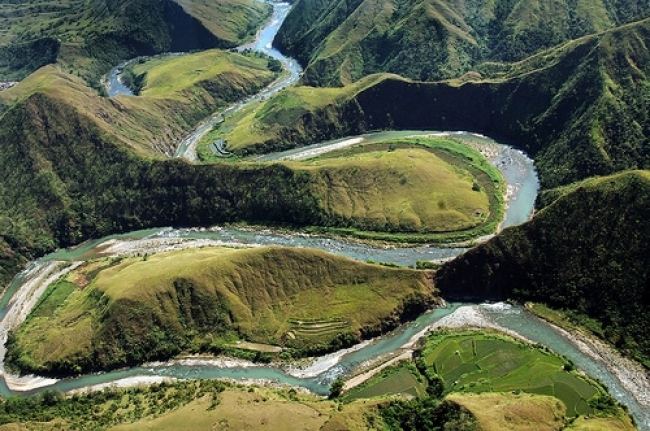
[401, 379]
[485, 363]
[500, 382]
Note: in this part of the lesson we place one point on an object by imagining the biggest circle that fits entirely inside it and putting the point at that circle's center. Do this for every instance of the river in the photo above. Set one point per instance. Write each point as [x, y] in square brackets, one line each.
[513, 164]
[262, 43]
[519, 172]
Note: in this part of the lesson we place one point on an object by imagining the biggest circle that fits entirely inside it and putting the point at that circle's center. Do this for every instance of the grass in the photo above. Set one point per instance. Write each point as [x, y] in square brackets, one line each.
[202, 299]
[522, 412]
[173, 77]
[408, 190]
[484, 363]
[155, 122]
[263, 121]
[189, 405]
[598, 424]
[73, 23]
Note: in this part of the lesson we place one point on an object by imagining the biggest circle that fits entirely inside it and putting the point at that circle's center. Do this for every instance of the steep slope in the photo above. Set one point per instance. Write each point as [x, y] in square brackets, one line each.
[174, 101]
[581, 109]
[341, 41]
[585, 252]
[133, 310]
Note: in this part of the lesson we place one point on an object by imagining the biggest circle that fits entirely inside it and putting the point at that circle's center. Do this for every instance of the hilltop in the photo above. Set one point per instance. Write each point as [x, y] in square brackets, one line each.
[340, 41]
[584, 253]
[126, 311]
[77, 169]
[153, 124]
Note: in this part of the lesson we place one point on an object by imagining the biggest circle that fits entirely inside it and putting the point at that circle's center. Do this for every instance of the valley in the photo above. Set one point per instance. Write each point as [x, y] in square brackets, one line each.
[337, 157]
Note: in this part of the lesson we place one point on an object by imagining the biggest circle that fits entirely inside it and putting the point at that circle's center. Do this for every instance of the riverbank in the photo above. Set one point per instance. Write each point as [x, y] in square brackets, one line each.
[35, 281]
[632, 375]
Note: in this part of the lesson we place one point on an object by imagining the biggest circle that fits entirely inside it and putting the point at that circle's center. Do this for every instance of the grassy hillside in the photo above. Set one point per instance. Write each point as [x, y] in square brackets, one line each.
[189, 405]
[198, 405]
[56, 123]
[296, 116]
[580, 109]
[87, 38]
[212, 71]
[341, 41]
[154, 123]
[121, 312]
[584, 253]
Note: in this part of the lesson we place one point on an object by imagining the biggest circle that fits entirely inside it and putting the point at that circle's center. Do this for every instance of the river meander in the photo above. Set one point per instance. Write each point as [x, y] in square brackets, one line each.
[514, 165]
[520, 175]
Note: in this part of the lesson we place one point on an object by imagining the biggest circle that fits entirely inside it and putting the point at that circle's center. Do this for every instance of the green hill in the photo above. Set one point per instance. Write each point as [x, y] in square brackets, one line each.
[585, 252]
[119, 312]
[72, 174]
[342, 41]
[580, 109]
[87, 38]
[179, 92]
[404, 190]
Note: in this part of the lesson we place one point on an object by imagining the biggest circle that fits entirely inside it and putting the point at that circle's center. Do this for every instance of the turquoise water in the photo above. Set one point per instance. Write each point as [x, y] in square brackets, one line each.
[319, 384]
[262, 44]
[514, 318]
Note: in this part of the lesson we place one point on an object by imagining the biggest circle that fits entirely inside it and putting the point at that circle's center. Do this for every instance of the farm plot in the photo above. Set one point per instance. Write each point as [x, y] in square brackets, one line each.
[479, 362]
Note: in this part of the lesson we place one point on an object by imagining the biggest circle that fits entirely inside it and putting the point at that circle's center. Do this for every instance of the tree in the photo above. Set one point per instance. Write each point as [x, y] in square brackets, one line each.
[336, 388]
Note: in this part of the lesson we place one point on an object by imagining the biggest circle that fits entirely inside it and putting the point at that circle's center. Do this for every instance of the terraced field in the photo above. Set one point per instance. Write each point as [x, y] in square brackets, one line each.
[314, 328]
[488, 363]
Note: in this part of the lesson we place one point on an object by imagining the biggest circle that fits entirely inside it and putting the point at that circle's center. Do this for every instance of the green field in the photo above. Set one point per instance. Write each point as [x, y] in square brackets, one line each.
[402, 379]
[486, 363]
[113, 312]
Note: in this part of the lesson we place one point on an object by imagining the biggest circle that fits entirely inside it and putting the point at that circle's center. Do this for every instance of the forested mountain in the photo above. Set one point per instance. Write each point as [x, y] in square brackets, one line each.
[341, 41]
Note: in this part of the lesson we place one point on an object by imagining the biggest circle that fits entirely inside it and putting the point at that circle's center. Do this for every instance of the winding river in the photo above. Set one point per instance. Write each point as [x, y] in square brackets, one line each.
[523, 184]
[263, 44]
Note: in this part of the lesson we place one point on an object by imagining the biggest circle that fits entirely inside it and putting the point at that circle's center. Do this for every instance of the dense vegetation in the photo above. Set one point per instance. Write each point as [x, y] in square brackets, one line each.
[584, 253]
[113, 313]
[47, 204]
[89, 38]
[188, 405]
[341, 41]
